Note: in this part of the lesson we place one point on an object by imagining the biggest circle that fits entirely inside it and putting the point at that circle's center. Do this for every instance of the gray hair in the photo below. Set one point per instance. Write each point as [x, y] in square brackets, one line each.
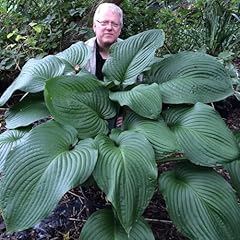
[112, 7]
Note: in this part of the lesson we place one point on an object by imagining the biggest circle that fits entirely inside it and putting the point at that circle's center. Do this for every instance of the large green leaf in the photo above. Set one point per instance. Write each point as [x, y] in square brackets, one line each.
[8, 140]
[30, 109]
[191, 77]
[76, 54]
[36, 71]
[126, 171]
[143, 99]
[201, 203]
[234, 168]
[80, 101]
[39, 172]
[157, 133]
[33, 76]
[203, 134]
[131, 57]
[106, 227]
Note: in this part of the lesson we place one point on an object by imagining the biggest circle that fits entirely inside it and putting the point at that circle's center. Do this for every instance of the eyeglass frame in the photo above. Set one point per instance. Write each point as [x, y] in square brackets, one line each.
[106, 23]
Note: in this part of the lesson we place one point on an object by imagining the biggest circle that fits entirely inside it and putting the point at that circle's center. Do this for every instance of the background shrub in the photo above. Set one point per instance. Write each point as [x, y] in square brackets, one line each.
[37, 28]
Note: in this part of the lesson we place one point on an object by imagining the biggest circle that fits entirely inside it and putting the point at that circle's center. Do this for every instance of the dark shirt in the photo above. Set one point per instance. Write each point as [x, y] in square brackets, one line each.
[99, 63]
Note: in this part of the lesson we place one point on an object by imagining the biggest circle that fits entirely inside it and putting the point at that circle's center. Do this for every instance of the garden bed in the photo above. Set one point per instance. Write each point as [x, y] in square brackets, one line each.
[77, 205]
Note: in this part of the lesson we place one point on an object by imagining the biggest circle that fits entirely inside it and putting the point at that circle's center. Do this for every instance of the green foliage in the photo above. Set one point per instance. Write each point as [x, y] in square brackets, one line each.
[205, 201]
[221, 26]
[212, 26]
[59, 159]
[39, 166]
[76, 93]
[30, 109]
[139, 16]
[234, 167]
[192, 86]
[103, 219]
[37, 28]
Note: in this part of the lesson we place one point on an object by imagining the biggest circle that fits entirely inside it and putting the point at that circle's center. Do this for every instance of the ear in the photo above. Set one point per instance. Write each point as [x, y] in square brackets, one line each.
[120, 32]
[94, 27]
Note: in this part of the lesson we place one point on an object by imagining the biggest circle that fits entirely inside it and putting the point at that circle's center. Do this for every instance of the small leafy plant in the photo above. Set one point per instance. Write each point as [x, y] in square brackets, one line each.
[212, 26]
[166, 115]
[33, 29]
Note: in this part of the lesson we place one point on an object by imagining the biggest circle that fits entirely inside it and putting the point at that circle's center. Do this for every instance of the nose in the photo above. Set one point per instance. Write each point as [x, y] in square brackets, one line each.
[109, 26]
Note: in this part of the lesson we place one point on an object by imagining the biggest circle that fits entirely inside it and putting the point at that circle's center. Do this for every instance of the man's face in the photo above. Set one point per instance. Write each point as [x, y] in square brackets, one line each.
[107, 27]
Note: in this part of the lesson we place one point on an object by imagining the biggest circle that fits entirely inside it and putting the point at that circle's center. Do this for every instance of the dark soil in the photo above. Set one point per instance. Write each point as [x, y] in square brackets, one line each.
[76, 206]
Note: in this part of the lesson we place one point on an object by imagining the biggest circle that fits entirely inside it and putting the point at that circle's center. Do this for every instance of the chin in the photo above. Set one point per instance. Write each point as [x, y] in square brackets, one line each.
[109, 42]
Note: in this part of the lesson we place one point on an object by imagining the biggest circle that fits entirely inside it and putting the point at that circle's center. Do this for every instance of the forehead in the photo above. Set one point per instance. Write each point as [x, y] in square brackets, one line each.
[108, 15]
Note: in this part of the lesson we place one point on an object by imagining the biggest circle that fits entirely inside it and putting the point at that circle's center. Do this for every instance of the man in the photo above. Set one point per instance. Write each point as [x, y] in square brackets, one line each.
[107, 25]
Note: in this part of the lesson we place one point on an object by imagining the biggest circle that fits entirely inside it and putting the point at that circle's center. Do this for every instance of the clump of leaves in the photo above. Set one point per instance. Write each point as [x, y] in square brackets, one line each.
[212, 26]
[36, 29]
[39, 166]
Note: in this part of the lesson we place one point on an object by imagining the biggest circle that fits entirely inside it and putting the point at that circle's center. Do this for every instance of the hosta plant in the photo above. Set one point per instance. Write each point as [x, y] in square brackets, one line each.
[167, 118]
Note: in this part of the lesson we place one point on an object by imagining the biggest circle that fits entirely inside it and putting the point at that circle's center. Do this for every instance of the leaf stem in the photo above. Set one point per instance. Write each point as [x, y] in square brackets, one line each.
[172, 159]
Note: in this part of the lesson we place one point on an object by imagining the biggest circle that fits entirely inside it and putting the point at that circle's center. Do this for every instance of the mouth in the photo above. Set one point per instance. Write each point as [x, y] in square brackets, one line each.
[108, 34]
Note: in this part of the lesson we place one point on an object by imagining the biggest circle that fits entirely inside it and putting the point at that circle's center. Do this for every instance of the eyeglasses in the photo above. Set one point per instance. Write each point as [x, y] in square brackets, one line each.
[106, 23]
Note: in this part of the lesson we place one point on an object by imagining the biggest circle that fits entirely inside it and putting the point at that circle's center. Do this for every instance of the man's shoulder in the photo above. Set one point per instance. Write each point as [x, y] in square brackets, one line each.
[91, 42]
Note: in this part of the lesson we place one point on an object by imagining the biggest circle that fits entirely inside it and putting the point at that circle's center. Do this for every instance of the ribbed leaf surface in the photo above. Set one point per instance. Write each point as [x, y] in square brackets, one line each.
[126, 171]
[8, 140]
[190, 77]
[234, 168]
[157, 133]
[143, 99]
[80, 101]
[106, 227]
[30, 109]
[76, 54]
[201, 203]
[39, 172]
[203, 135]
[33, 76]
[36, 71]
[131, 57]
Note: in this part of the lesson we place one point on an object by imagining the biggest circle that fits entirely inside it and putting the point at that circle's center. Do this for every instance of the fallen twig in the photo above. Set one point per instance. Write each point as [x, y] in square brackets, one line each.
[158, 220]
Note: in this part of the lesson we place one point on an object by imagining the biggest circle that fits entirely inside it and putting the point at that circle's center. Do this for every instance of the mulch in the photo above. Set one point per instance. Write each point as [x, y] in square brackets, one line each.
[77, 205]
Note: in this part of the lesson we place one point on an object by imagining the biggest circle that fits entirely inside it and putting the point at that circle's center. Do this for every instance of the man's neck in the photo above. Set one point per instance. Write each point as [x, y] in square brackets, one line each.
[103, 50]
